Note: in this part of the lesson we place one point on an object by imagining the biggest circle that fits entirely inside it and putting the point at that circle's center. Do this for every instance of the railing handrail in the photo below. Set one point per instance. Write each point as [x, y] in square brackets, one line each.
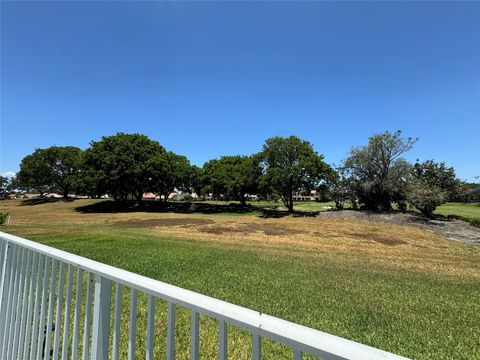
[294, 335]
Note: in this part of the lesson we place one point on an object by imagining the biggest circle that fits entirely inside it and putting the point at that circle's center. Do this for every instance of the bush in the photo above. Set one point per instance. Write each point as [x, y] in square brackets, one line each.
[426, 198]
[3, 218]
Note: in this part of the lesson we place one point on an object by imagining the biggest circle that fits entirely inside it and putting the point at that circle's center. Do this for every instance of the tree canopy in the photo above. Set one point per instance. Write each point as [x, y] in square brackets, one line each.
[378, 172]
[169, 172]
[50, 170]
[431, 185]
[123, 163]
[292, 166]
[233, 176]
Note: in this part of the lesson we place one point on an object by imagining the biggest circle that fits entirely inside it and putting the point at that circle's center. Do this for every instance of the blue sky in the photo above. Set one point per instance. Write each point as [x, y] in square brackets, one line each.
[207, 79]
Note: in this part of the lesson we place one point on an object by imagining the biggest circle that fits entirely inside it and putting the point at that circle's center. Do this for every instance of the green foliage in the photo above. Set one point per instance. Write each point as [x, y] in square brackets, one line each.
[291, 165]
[3, 185]
[3, 218]
[53, 169]
[122, 164]
[339, 188]
[425, 198]
[232, 176]
[378, 173]
[169, 171]
[437, 175]
[432, 184]
[126, 164]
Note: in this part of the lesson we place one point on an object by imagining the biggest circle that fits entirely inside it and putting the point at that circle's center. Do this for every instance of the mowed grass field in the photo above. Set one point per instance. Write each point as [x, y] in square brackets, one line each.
[399, 288]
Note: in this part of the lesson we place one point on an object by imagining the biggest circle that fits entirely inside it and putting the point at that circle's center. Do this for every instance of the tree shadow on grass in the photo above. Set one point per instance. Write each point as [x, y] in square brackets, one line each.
[39, 201]
[109, 206]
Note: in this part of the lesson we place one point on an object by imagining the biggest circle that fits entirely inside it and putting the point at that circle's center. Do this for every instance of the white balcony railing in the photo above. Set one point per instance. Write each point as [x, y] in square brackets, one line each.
[32, 290]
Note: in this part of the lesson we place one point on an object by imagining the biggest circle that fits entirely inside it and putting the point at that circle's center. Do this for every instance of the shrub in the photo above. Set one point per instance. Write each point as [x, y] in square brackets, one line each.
[425, 198]
[3, 218]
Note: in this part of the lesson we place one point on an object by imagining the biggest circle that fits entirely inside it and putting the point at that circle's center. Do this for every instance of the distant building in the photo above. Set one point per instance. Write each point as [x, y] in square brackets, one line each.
[150, 196]
[312, 196]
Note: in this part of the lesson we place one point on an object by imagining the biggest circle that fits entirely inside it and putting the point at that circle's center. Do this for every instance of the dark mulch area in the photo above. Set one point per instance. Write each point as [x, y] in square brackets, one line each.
[267, 229]
[162, 222]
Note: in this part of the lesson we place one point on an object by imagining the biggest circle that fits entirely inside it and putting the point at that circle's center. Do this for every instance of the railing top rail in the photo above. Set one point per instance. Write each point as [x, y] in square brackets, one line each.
[294, 335]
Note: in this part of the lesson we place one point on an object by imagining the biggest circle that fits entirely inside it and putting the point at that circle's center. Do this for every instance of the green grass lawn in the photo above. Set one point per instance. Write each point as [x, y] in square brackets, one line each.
[406, 312]
[467, 211]
[357, 291]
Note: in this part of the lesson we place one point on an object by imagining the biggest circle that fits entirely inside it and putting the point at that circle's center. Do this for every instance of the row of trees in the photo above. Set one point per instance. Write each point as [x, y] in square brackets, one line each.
[373, 176]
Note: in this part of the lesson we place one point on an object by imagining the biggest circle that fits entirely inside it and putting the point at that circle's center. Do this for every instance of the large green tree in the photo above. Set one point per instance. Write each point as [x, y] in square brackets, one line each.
[292, 166]
[377, 171]
[233, 176]
[122, 164]
[50, 170]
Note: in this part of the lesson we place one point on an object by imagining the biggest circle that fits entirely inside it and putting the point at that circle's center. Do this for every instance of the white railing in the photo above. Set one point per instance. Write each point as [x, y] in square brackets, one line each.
[33, 300]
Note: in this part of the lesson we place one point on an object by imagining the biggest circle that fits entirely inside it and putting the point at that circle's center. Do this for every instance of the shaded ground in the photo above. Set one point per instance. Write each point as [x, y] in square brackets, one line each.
[452, 229]
[265, 211]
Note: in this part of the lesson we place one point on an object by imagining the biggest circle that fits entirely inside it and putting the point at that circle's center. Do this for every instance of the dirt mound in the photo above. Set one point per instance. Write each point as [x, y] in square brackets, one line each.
[452, 229]
[163, 222]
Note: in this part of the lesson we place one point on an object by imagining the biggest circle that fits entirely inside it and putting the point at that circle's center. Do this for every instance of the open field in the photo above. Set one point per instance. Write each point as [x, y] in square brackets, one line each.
[469, 212]
[396, 287]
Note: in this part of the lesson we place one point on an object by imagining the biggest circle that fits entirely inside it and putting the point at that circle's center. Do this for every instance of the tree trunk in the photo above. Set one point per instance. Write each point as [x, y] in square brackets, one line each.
[243, 202]
[139, 198]
[290, 203]
[65, 193]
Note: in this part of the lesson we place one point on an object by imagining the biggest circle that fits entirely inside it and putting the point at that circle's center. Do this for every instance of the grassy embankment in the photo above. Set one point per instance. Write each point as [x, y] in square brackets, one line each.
[399, 288]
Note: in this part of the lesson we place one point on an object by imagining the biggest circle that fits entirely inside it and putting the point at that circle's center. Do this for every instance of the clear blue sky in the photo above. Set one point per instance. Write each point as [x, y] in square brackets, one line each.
[208, 79]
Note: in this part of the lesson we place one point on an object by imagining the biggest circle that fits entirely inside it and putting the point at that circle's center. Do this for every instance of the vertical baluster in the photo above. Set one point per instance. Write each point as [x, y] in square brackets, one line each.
[4, 258]
[19, 300]
[297, 354]
[222, 340]
[3, 245]
[256, 347]
[9, 258]
[117, 321]
[68, 309]
[31, 295]
[78, 311]
[8, 300]
[132, 332]
[88, 318]
[18, 345]
[101, 317]
[36, 309]
[14, 307]
[41, 325]
[51, 305]
[194, 336]
[58, 317]
[150, 326]
[171, 331]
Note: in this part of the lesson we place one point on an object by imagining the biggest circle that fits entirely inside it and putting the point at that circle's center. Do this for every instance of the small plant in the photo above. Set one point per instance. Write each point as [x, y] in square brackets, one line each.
[3, 218]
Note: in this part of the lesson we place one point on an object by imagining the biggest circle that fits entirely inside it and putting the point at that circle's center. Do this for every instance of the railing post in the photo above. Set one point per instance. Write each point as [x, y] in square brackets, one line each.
[171, 331]
[101, 318]
[256, 347]
[195, 336]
